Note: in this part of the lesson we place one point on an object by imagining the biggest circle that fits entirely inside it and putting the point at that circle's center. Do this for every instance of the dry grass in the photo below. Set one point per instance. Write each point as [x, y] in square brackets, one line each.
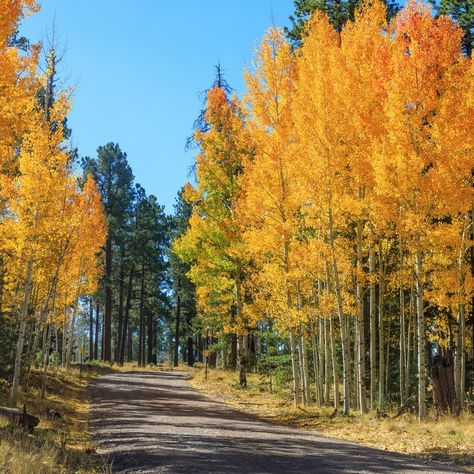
[446, 439]
[59, 445]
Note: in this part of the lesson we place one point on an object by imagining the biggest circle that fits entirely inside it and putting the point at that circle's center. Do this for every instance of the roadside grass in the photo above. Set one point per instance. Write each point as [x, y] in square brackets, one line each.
[445, 439]
[58, 444]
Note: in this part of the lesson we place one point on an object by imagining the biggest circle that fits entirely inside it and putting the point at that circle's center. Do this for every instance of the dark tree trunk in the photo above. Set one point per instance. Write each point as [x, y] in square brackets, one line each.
[442, 376]
[150, 338]
[212, 353]
[178, 317]
[125, 324]
[154, 355]
[129, 343]
[120, 306]
[199, 354]
[141, 331]
[96, 340]
[190, 351]
[91, 330]
[107, 329]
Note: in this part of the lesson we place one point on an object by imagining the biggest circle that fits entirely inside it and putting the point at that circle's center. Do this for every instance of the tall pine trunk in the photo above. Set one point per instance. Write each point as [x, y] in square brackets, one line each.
[97, 323]
[125, 326]
[107, 328]
[177, 324]
[91, 329]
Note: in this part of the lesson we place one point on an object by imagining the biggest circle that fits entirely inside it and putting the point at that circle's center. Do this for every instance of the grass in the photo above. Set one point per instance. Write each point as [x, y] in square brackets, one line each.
[446, 439]
[60, 445]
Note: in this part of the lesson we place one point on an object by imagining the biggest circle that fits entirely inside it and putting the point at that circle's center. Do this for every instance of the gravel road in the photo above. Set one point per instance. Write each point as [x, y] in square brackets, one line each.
[154, 422]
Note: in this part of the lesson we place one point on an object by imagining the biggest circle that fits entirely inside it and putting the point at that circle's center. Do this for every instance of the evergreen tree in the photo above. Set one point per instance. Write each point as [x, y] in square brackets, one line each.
[338, 11]
[183, 288]
[114, 177]
[461, 11]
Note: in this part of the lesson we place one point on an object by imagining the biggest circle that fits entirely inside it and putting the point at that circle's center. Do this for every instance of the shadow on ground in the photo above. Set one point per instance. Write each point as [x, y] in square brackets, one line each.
[155, 422]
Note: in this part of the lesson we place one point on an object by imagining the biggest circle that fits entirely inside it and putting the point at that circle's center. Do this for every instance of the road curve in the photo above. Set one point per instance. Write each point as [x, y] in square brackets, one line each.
[154, 422]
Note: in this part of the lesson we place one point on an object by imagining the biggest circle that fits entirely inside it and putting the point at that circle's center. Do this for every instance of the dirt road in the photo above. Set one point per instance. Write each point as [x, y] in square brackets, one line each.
[155, 422]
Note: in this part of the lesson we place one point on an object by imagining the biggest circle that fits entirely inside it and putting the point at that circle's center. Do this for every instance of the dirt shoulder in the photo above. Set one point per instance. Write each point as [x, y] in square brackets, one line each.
[447, 439]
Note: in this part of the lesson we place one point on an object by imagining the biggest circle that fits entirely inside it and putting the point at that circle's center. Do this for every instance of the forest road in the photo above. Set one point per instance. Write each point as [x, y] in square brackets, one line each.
[155, 422]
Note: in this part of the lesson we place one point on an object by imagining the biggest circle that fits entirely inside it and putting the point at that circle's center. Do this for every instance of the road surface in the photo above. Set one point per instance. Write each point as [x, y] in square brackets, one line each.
[155, 422]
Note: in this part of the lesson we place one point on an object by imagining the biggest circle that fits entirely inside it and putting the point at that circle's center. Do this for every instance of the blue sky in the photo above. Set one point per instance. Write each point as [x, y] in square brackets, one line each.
[138, 66]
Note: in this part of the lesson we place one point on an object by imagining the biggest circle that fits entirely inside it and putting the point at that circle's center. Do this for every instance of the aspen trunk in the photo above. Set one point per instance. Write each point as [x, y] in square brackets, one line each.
[321, 360]
[421, 337]
[304, 366]
[70, 340]
[241, 343]
[334, 365]
[355, 400]
[459, 364]
[295, 370]
[242, 360]
[301, 369]
[342, 319]
[33, 350]
[56, 346]
[46, 360]
[402, 362]
[372, 311]
[316, 367]
[327, 363]
[381, 329]
[21, 332]
[411, 341]
[459, 359]
[387, 356]
[360, 333]
[65, 336]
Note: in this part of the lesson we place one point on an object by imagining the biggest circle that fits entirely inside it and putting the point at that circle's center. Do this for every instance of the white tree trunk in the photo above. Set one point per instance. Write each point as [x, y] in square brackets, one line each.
[421, 337]
[372, 311]
[295, 370]
[21, 332]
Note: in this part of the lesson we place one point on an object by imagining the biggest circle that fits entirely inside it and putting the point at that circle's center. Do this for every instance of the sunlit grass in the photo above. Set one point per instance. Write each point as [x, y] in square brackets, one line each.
[56, 445]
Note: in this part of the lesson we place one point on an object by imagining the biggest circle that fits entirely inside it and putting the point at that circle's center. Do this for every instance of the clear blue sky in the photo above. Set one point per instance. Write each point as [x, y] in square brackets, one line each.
[138, 65]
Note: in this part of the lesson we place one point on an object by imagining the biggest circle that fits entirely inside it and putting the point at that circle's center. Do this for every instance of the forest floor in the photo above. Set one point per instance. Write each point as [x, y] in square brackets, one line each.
[56, 445]
[60, 443]
[445, 439]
